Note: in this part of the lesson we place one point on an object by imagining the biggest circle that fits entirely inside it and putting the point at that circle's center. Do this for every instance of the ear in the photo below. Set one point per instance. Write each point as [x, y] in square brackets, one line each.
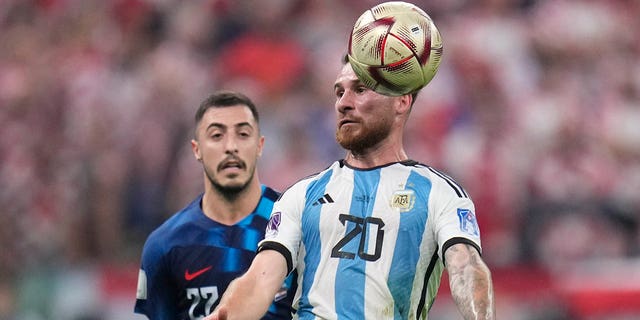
[260, 146]
[404, 103]
[195, 148]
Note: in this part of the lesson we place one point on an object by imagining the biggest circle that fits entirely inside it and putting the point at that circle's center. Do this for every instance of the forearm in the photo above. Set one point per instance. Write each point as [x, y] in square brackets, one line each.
[243, 300]
[249, 296]
[470, 282]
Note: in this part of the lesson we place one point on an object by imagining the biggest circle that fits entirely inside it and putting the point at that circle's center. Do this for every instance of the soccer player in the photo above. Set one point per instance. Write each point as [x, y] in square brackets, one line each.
[188, 262]
[370, 235]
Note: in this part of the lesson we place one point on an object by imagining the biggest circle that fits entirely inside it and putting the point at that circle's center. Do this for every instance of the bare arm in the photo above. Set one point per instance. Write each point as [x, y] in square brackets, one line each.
[470, 282]
[249, 296]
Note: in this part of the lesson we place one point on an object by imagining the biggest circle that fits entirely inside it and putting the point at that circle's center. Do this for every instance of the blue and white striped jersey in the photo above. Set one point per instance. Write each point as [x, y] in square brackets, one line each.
[368, 244]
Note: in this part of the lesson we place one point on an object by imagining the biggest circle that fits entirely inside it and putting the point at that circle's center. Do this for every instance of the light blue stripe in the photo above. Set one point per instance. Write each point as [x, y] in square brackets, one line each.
[264, 206]
[407, 248]
[311, 240]
[350, 276]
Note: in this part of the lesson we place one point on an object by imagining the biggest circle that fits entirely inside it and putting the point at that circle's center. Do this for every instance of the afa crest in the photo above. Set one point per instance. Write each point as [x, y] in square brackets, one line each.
[403, 200]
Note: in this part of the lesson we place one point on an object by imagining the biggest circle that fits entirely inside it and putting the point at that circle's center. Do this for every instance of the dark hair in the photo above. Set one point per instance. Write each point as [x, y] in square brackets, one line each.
[414, 95]
[223, 99]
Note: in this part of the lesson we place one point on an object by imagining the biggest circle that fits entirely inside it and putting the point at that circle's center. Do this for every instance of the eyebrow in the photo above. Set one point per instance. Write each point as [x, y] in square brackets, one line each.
[351, 82]
[223, 126]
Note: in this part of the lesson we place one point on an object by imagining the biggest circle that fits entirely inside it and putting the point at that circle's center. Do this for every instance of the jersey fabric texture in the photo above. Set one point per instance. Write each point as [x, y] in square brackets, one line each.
[188, 262]
[368, 244]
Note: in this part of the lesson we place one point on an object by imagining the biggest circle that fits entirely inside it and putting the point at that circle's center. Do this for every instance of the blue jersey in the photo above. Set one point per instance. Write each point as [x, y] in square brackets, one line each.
[368, 244]
[188, 262]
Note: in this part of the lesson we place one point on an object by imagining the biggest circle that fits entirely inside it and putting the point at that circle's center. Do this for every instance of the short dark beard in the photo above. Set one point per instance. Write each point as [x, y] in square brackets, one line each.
[230, 193]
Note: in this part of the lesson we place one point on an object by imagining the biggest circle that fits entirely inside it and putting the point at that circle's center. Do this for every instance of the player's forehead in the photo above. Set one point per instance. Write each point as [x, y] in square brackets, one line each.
[346, 76]
[228, 116]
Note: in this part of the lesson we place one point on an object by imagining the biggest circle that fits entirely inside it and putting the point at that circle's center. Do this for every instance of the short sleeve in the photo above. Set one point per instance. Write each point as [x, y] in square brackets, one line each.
[154, 295]
[284, 229]
[455, 220]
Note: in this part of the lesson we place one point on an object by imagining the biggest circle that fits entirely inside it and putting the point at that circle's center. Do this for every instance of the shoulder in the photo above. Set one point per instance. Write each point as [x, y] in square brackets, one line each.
[441, 181]
[161, 238]
[269, 197]
[313, 179]
[270, 194]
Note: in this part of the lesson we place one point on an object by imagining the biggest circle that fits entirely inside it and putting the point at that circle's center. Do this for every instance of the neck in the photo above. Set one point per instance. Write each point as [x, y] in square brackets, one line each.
[229, 209]
[376, 156]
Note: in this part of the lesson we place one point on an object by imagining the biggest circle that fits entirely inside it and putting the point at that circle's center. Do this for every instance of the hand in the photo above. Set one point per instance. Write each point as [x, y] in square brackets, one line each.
[218, 314]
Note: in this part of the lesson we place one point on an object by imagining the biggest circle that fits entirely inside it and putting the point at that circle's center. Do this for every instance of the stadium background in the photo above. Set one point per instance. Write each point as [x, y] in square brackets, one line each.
[535, 110]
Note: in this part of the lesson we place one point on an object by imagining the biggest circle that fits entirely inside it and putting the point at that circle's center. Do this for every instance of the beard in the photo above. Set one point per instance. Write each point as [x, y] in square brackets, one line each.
[229, 191]
[367, 136]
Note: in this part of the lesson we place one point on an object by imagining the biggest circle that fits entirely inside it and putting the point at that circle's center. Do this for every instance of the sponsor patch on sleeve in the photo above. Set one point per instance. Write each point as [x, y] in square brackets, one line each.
[468, 222]
[273, 225]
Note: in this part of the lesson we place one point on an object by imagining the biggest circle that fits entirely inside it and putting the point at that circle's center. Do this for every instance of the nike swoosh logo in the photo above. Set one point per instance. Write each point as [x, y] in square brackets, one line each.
[190, 276]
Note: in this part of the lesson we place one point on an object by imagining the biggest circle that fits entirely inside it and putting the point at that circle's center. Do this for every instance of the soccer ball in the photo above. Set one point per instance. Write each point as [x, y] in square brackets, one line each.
[395, 48]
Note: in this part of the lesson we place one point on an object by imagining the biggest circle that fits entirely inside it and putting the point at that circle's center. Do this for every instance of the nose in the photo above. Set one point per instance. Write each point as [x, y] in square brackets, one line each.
[231, 145]
[344, 103]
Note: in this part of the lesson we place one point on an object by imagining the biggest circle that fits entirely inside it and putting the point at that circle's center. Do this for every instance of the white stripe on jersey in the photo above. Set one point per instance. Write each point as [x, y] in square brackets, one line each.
[367, 253]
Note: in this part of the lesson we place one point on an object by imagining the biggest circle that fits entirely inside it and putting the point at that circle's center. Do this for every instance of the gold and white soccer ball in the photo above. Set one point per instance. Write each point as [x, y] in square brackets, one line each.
[395, 48]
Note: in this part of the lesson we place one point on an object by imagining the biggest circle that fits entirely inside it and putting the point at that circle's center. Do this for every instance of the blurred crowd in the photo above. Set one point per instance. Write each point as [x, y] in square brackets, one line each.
[535, 110]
